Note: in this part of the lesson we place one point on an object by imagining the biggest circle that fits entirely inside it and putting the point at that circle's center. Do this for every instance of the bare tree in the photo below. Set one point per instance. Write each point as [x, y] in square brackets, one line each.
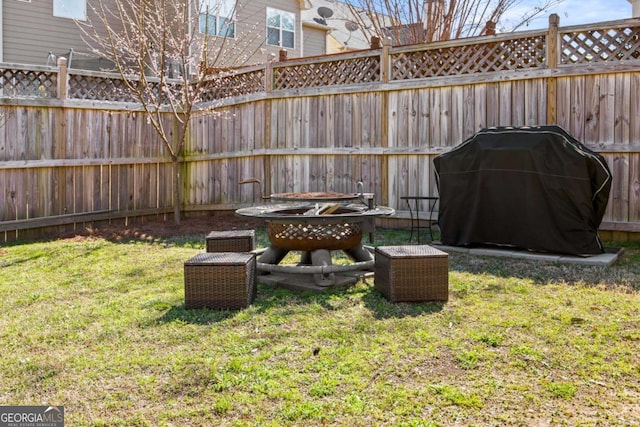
[164, 51]
[425, 21]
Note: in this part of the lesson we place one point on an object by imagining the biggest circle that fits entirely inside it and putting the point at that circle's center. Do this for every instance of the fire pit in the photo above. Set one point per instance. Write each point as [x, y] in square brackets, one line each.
[315, 229]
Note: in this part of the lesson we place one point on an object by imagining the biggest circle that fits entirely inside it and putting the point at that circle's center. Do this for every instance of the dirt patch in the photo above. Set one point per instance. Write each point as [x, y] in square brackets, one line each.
[159, 227]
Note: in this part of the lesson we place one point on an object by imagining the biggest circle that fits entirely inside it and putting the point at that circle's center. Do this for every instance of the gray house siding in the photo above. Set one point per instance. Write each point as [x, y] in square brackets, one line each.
[315, 41]
[30, 32]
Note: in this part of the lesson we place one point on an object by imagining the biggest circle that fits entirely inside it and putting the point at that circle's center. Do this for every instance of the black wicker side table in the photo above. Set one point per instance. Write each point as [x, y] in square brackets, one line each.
[220, 280]
[412, 273]
[231, 241]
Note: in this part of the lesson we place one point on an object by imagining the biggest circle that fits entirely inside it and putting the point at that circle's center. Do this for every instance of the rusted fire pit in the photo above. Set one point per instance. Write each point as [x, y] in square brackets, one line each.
[315, 224]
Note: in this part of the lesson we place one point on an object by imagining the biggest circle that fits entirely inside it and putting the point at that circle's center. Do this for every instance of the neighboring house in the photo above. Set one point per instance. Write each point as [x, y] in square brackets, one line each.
[260, 29]
[36, 32]
[343, 30]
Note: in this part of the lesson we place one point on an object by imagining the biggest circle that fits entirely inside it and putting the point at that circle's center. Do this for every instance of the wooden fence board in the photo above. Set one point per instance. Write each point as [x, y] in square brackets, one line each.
[418, 119]
[634, 108]
[504, 104]
[343, 173]
[435, 114]
[397, 180]
[622, 99]
[634, 188]
[367, 132]
[620, 191]
[492, 105]
[332, 122]
[518, 99]
[480, 107]
[592, 109]
[4, 118]
[578, 109]
[607, 110]
[457, 116]
[450, 124]
[4, 196]
[609, 158]
[402, 119]
[318, 174]
[563, 103]
[535, 102]
[330, 167]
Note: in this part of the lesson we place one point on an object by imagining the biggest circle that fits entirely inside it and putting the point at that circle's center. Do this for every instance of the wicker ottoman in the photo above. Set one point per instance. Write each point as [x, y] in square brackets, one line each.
[222, 280]
[412, 273]
[231, 241]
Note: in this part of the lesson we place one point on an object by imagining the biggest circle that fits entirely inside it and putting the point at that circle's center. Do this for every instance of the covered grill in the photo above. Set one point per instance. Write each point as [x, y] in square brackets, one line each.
[535, 188]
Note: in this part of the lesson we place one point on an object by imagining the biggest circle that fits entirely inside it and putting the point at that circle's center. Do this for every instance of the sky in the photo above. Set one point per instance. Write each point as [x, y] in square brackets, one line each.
[574, 12]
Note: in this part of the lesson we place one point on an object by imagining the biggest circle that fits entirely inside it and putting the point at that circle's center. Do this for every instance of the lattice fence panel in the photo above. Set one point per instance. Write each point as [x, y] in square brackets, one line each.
[601, 45]
[522, 53]
[339, 72]
[225, 86]
[28, 83]
[98, 88]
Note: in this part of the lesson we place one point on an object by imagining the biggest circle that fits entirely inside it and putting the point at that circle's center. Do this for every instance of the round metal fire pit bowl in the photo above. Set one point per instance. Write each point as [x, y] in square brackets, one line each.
[297, 234]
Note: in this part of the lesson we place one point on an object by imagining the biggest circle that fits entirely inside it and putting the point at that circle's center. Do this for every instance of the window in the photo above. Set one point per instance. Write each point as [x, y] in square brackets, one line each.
[217, 18]
[281, 27]
[74, 9]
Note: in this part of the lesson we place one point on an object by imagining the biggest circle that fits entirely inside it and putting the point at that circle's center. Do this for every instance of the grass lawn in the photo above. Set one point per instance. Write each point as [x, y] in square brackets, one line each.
[99, 326]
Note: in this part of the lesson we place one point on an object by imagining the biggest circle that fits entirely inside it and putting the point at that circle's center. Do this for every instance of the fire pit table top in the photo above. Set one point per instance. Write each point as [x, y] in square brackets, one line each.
[296, 213]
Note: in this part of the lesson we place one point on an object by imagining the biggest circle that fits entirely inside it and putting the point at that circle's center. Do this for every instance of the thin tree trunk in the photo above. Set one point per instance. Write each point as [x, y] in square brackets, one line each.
[177, 187]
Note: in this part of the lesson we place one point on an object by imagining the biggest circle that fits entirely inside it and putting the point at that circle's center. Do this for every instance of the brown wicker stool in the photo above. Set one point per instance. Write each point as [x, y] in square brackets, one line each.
[223, 280]
[231, 241]
[412, 273]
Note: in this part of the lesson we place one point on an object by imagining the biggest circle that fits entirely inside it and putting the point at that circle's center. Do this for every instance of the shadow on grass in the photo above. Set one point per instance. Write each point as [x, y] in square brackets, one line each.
[271, 298]
[198, 316]
[381, 308]
[625, 273]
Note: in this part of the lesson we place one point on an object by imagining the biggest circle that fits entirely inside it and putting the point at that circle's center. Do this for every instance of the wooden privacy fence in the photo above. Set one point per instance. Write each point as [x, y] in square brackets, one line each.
[74, 147]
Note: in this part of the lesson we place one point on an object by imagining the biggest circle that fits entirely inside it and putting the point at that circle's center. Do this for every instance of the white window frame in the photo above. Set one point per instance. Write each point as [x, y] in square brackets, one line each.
[280, 26]
[223, 15]
[69, 9]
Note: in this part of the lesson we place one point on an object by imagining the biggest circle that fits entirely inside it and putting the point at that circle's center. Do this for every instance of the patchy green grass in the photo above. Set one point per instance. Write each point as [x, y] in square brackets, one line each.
[100, 327]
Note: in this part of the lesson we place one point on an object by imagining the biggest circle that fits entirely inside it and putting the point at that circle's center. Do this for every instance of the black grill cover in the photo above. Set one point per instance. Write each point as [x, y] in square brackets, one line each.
[533, 188]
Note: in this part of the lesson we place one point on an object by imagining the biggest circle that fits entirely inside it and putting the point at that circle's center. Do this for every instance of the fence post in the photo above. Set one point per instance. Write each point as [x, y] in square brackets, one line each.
[553, 56]
[553, 41]
[268, 77]
[267, 143]
[385, 60]
[385, 76]
[62, 78]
